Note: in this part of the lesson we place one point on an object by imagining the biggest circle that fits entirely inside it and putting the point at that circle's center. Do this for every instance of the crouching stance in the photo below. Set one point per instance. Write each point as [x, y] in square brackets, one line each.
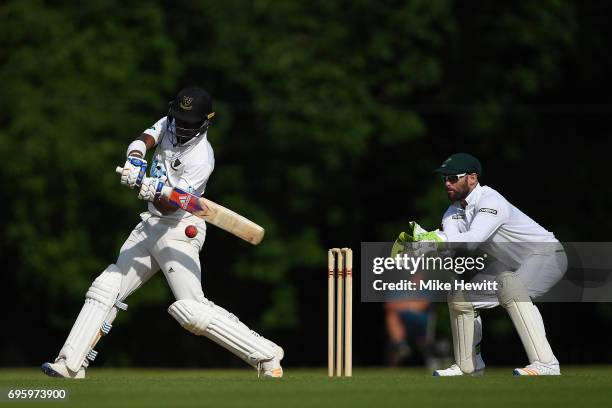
[183, 158]
[466, 327]
[528, 261]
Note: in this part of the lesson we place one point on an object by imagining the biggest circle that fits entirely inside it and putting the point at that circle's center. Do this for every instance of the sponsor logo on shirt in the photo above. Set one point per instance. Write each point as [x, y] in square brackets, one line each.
[458, 217]
[488, 210]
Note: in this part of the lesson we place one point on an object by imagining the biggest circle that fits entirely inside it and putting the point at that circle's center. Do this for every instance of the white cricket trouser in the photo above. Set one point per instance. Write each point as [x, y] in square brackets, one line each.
[160, 243]
[539, 273]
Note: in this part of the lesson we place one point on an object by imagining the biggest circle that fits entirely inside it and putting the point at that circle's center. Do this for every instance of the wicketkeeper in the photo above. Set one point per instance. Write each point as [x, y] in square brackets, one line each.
[528, 261]
[169, 239]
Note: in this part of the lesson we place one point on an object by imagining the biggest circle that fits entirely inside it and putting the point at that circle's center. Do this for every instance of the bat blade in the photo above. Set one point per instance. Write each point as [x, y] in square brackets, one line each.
[218, 215]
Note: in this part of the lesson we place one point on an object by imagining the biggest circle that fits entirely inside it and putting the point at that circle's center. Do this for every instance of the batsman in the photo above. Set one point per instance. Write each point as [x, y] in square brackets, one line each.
[167, 239]
[527, 260]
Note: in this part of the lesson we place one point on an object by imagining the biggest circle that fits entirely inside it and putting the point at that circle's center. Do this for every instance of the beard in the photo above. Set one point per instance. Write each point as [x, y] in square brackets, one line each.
[459, 194]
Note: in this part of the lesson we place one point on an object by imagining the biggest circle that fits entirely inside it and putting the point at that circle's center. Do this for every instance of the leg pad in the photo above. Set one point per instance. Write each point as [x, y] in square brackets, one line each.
[89, 325]
[513, 296]
[209, 320]
[461, 313]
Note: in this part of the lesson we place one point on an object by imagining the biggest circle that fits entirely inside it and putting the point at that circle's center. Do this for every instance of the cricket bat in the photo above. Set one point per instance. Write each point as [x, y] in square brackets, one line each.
[214, 214]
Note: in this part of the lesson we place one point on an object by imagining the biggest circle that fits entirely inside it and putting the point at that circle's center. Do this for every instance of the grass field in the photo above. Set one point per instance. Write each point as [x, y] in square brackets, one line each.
[578, 387]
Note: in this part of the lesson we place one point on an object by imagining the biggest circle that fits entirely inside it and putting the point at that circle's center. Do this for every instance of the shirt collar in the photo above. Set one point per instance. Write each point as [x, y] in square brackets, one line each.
[473, 197]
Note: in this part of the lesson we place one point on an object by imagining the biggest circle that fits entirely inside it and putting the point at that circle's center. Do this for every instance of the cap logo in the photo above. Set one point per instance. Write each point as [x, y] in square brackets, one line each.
[185, 104]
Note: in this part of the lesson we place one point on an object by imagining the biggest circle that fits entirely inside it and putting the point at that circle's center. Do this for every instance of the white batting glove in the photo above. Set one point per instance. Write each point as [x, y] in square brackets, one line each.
[151, 189]
[134, 171]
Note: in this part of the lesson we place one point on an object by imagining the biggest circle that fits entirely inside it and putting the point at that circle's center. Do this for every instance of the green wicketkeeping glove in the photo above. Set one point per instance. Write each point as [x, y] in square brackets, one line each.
[399, 246]
[434, 238]
[416, 229]
[405, 239]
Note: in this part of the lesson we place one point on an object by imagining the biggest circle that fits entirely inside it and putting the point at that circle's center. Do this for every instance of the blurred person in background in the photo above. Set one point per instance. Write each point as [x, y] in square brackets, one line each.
[410, 327]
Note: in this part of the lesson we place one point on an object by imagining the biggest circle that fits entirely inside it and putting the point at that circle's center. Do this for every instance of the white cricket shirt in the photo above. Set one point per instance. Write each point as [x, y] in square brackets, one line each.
[187, 167]
[489, 221]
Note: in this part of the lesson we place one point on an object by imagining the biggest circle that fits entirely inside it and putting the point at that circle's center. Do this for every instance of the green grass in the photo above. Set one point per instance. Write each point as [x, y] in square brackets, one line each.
[578, 387]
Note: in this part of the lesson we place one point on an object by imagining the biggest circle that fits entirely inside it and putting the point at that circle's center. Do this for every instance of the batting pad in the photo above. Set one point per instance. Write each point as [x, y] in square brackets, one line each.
[209, 320]
[461, 313]
[513, 296]
[85, 333]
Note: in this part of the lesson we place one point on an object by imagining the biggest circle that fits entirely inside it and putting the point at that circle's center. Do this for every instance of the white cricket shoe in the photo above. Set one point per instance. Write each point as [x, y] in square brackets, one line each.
[537, 368]
[454, 370]
[59, 370]
[272, 368]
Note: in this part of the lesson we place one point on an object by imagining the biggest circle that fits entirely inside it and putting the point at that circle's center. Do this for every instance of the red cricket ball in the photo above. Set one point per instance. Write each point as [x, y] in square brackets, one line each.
[191, 231]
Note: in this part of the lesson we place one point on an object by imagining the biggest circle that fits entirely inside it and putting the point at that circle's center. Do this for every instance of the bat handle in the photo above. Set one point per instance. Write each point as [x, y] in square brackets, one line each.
[119, 170]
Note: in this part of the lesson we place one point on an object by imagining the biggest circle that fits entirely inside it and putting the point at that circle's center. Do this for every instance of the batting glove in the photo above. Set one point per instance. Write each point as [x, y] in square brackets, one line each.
[151, 189]
[134, 171]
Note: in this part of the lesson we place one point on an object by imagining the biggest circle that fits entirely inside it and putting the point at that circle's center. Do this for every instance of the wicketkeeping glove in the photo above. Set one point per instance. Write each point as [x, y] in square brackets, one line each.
[416, 229]
[427, 242]
[417, 241]
[401, 244]
[134, 171]
[433, 236]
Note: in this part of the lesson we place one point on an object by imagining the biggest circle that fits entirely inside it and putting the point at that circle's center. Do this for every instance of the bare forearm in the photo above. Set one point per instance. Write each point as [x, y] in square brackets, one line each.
[164, 206]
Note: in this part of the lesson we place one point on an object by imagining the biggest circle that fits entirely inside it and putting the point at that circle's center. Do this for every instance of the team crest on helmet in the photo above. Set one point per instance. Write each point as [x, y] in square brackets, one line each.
[186, 103]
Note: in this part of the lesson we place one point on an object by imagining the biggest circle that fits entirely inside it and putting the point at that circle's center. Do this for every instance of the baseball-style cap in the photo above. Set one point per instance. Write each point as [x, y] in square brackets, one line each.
[192, 105]
[460, 163]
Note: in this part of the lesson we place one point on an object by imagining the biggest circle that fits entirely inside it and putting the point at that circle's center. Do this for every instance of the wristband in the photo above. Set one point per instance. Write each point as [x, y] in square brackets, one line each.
[137, 146]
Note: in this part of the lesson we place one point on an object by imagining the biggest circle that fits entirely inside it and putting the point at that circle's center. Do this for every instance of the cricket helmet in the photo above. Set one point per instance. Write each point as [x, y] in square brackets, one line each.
[190, 114]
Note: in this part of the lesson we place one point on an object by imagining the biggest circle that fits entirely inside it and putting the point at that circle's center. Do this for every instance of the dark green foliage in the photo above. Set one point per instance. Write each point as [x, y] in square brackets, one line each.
[331, 116]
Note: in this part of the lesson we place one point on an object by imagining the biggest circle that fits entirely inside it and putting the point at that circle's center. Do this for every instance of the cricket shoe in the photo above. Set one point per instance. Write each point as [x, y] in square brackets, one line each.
[59, 370]
[537, 368]
[272, 368]
[454, 370]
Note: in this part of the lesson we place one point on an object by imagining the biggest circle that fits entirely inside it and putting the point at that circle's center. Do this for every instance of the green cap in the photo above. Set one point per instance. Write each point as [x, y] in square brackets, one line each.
[460, 163]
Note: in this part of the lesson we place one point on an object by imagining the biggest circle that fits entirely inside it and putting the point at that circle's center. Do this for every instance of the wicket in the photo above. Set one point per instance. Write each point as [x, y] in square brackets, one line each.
[340, 312]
